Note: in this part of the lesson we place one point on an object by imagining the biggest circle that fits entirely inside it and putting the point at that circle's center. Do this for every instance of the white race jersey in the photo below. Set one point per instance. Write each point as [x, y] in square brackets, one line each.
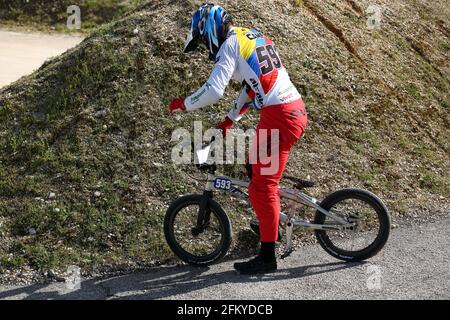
[252, 59]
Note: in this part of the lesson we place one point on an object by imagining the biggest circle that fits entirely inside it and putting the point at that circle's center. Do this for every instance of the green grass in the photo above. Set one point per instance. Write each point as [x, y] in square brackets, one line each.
[413, 91]
[444, 46]
[366, 138]
[445, 103]
[12, 261]
[51, 15]
[434, 183]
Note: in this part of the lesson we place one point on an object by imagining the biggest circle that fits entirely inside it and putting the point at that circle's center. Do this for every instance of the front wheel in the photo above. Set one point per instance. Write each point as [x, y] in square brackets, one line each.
[370, 230]
[194, 246]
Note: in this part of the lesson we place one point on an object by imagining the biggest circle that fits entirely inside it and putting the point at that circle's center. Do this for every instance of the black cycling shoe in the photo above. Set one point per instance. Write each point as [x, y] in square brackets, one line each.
[254, 225]
[255, 266]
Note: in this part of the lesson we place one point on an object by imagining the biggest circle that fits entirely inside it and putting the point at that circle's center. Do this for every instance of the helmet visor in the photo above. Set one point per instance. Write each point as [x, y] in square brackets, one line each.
[191, 41]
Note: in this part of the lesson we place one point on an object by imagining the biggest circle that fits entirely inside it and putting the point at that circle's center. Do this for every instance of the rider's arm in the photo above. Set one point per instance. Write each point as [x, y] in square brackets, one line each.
[214, 88]
[242, 105]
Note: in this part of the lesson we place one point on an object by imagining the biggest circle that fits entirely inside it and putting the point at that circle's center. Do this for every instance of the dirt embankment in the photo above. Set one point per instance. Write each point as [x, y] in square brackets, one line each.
[86, 175]
[47, 15]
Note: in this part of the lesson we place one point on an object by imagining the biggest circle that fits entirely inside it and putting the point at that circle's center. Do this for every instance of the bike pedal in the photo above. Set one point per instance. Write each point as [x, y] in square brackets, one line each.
[286, 254]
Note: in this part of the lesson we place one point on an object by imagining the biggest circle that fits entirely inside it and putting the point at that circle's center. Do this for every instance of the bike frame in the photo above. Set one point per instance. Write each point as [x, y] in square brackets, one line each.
[289, 219]
[233, 185]
[293, 195]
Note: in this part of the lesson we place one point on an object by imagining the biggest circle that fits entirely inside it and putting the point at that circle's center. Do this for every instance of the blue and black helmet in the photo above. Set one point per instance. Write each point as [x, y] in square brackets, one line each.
[207, 26]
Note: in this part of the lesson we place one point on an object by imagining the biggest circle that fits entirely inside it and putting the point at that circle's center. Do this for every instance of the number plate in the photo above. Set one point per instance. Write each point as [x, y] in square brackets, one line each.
[222, 183]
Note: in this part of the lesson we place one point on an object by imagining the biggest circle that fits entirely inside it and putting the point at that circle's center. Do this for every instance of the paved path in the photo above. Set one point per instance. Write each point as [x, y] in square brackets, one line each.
[414, 265]
[21, 53]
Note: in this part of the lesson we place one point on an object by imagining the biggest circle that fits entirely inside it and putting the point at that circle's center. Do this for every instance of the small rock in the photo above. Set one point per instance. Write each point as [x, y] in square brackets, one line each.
[51, 195]
[105, 127]
[101, 113]
[32, 231]
[56, 210]
[97, 193]
[136, 31]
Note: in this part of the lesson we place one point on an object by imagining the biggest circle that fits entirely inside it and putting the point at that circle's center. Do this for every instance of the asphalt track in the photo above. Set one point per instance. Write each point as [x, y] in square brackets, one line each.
[415, 264]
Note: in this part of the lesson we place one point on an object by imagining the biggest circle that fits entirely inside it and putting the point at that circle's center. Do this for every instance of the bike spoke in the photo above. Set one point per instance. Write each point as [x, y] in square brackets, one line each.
[204, 243]
[365, 228]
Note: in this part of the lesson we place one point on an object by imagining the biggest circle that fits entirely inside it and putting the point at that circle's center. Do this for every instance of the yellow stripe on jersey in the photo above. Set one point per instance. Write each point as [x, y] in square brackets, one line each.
[247, 46]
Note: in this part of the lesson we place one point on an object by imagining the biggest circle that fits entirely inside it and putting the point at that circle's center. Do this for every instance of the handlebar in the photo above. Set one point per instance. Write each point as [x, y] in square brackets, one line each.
[203, 155]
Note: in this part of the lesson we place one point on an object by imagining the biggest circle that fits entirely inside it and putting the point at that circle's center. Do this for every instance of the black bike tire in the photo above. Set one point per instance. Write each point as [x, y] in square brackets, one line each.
[172, 211]
[383, 218]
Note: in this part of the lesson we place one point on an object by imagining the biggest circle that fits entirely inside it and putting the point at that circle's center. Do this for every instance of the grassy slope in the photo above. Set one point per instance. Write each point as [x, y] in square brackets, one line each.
[95, 119]
[48, 15]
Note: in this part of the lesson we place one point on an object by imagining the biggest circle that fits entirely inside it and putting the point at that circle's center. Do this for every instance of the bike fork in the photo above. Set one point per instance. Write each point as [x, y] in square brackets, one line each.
[204, 214]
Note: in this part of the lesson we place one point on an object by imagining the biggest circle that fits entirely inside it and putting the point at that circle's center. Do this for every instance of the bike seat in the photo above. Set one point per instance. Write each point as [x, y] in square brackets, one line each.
[301, 184]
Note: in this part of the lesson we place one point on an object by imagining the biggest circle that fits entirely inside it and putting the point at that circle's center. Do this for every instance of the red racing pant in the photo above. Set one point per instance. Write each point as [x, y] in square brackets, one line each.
[284, 125]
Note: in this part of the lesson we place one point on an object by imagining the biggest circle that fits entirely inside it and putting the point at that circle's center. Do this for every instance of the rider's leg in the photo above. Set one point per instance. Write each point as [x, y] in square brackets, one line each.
[290, 120]
[263, 192]
[254, 225]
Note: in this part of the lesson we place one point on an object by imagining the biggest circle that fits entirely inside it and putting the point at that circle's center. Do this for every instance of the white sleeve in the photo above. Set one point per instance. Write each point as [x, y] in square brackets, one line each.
[221, 75]
[242, 105]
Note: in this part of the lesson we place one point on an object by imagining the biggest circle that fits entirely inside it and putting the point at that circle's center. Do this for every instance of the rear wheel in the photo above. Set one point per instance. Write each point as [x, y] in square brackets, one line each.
[198, 247]
[371, 225]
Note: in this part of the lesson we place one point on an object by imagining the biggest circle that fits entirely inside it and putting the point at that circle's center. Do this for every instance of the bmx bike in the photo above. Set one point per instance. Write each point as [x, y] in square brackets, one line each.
[349, 224]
